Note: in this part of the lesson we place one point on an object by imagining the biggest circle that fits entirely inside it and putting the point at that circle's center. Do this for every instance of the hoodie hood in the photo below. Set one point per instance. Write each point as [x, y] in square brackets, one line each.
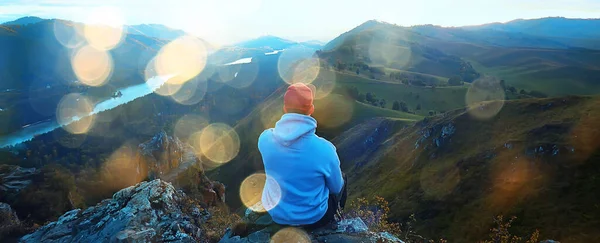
[293, 126]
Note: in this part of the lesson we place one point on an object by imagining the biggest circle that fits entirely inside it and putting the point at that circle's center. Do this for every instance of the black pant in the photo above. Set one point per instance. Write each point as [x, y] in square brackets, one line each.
[335, 205]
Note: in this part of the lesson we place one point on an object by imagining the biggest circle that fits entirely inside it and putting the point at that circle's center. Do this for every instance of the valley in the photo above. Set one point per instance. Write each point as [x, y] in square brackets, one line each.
[451, 126]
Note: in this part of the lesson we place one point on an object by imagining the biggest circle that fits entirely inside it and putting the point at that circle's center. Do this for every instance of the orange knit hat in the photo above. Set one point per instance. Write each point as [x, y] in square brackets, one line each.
[298, 98]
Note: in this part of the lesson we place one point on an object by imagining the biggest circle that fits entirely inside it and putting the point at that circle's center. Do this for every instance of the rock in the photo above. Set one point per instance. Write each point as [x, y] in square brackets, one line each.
[8, 220]
[147, 212]
[162, 154]
[15, 178]
[165, 157]
[348, 230]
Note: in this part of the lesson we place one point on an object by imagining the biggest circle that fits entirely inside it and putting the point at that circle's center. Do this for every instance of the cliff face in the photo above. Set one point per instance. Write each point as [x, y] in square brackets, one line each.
[166, 157]
[147, 212]
[155, 211]
[162, 154]
[14, 179]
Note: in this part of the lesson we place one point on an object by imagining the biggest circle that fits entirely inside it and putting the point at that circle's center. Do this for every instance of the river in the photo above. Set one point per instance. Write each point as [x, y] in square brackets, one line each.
[128, 94]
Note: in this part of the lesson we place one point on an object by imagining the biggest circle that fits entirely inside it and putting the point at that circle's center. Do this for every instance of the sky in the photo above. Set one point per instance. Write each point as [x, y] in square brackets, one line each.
[230, 21]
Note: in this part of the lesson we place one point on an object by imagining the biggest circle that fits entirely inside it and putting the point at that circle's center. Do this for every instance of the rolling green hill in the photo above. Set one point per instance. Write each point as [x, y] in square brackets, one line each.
[385, 45]
[526, 61]
[553, 71]
[537, 159]
[429, 99]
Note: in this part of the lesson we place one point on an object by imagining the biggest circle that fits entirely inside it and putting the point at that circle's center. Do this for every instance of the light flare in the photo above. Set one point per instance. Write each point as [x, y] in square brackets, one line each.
[91, 66]
[73, 113]
[298, 64]
[188, 125]
[291, 234]
[218, 142]
[104, 28]
[67, 34]
[184, 57]
[333, 111]
[251, 192]
[485, 98]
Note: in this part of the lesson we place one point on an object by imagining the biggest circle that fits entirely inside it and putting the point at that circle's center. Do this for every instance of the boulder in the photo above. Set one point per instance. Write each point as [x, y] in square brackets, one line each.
[259, 228]
[147, 212]
[15, 178]
[8, 220]
[163, 154]
[165, 157]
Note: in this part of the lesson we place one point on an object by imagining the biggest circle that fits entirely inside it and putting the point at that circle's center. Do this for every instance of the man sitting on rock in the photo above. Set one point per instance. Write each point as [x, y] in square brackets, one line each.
[305, 185]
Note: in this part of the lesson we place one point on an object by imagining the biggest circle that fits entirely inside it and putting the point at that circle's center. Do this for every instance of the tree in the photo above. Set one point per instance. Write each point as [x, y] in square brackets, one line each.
[418, 107]
[361, 98]
[396, 106]
[455, 81]
[512, 89]
[370, 97]
[403, 106]
[523, 92]
[382, 103]
[431, 112]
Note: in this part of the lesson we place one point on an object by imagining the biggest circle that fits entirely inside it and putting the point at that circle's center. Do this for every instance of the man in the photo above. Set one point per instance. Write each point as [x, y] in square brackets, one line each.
[305, 186]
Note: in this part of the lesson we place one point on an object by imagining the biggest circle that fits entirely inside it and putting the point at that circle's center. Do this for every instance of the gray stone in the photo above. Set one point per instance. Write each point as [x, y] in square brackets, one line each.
[8, 219]
[147, 212]
[348, 230]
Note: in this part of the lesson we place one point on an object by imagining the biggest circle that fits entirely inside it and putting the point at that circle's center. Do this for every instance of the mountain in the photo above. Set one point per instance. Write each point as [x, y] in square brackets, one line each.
[549, 27]
[385, 46]
[552, 65]
[276, 43]
[24, 21]
[155, 30]
[38, 69]
[535, 159]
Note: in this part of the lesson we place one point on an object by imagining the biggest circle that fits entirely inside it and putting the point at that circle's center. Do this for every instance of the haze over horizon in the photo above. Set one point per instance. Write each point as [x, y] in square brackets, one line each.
[238, 20]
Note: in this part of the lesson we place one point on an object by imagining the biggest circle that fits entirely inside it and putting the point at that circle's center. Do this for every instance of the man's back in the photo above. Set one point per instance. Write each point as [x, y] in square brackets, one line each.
[302, 169]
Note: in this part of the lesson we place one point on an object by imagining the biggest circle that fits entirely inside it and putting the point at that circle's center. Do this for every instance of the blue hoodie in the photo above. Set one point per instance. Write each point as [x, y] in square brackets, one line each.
[302, 169]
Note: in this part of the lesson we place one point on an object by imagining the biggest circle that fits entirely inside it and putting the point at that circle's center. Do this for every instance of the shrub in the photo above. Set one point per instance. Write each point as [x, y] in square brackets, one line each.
[218, 223]
[374, 213]
[500, 233]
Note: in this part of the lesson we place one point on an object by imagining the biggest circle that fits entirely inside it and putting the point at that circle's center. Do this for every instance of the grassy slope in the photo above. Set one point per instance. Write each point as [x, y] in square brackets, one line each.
[556, 72]
[553, 71]
[438, 99]
[455, 189]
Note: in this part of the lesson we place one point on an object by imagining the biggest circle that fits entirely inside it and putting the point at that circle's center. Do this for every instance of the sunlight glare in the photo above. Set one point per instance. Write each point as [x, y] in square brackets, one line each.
[184, 57]
[122, 169]
[218, 142]
[188, 125]
[104, 28]
[67, 34]
[251, 191]
[485, 98]
[333, 111]
[389, 50]
[73, 113]
[324, 84]
[291, 234]
[191, 92]
[298, 64]
[91, 66]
